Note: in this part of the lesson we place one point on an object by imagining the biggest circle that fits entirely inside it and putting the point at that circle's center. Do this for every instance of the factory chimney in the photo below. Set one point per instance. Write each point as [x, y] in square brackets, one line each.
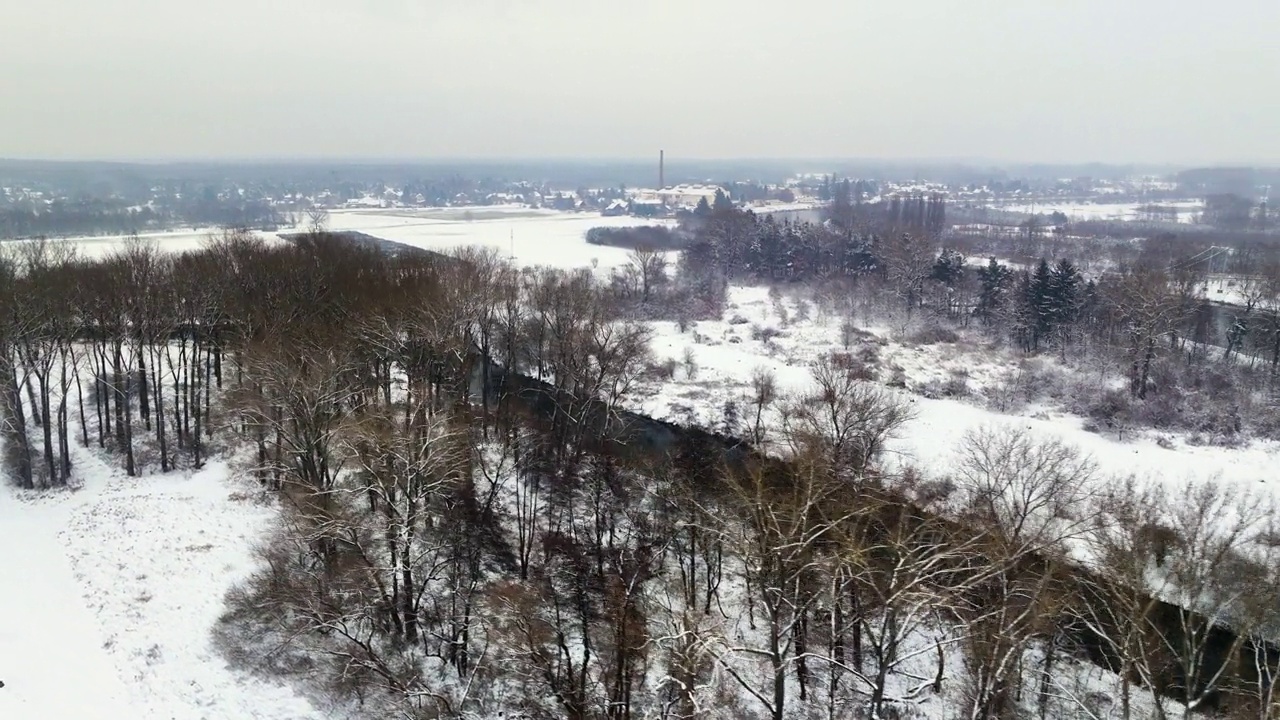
[662, 178]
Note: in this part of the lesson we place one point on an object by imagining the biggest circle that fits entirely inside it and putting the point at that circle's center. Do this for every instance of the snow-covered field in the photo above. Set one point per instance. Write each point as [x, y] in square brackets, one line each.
[725, 355]
[533, 237]
[110, 593]
[1188, 210]
[177, 241]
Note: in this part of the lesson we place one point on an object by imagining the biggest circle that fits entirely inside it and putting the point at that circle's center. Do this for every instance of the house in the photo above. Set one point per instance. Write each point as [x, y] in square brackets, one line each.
[649, 208]
[681, 196]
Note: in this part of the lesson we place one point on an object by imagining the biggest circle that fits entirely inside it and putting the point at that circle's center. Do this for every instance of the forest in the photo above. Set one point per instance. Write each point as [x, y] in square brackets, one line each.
[464, 532]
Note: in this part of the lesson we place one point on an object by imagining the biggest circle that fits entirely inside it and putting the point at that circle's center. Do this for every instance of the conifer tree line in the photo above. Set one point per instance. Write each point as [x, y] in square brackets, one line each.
[458, 541]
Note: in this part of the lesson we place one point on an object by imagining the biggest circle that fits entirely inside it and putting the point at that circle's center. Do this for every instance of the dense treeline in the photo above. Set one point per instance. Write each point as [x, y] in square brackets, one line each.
[652, 237]
[67, 217]
[448, 547]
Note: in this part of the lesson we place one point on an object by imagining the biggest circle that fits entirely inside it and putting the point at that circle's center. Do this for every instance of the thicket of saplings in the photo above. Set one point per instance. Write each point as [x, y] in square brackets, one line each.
[1148, 348]
[445, 552]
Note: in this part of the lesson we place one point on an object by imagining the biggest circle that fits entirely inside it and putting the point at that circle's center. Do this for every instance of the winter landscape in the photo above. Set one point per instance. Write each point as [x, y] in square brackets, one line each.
[564, 361]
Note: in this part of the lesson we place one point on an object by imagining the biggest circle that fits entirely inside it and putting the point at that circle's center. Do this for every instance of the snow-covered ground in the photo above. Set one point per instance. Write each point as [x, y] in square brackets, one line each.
[110, 592]
[1188, 210]
[726, 353]
[177, 241]
[534, 237]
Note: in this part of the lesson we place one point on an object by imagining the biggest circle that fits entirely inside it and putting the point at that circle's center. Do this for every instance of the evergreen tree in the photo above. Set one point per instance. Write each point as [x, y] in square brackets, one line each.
[1022, 321]
[722, 202]
[1039, 299]
[995, 279]
[949, 268]
[1064, 293]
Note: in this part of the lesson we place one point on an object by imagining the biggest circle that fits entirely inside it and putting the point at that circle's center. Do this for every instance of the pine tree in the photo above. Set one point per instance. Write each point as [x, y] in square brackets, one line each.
[1040, 301]
[948, 269]
[996, 279]
[722, 202]
[1064, 293]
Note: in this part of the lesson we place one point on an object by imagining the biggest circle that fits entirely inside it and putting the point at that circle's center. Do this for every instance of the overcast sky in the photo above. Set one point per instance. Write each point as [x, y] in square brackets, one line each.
[1180, 81]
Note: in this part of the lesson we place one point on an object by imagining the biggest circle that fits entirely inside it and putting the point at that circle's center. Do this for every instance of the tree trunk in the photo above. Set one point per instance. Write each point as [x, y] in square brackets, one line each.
[46, 424]
[118, 393]
[161, 435]
[15, 421]
[64, 445]
[144, 398]
[84, 426]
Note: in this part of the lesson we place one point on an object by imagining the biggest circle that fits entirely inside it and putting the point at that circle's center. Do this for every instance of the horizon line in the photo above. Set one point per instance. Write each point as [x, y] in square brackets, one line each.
[639, 160]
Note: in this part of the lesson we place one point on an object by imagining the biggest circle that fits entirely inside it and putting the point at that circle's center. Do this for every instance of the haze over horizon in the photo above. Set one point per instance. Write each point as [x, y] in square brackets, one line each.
[1089, 81]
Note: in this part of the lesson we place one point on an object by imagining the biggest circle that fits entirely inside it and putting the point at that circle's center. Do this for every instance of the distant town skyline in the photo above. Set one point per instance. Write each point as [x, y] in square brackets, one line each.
[1140, 82]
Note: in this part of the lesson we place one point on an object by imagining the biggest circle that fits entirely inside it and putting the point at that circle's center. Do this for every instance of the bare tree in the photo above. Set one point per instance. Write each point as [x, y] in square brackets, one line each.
[650, 266]
[1209, 578]
[1147, 310]
[845, 419]
[764, 391]
[1028, 499]
[909, 259]
[778, 533]
[317, 219]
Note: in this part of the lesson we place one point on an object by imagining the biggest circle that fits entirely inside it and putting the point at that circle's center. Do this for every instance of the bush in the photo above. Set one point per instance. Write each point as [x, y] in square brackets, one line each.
[897, 377]
[1110, 407]
[664, 371]
[853, 366]
[957, 385]
[934, 334]
[765, 334]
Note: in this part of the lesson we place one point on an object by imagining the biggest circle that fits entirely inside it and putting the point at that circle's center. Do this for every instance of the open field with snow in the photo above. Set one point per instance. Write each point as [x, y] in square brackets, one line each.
[1188, 210]
[534, 237]
[178, 241]
[725, 353]
[537, 237]
[111, 593]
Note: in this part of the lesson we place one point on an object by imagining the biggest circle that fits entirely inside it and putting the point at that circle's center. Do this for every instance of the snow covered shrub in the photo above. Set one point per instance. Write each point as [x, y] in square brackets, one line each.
[802, 311]
[690, 363]
[1109, 407]
[664, 371]
[764, 334]
[869, 355]
[848, 333]
[853, 365]
[897, 377]
[1006, 393]
[933, 334]
[684, 320]
[1265, 422]
[957, 385]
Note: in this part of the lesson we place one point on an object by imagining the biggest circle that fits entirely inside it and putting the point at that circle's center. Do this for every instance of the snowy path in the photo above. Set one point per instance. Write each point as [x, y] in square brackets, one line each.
[52, 659]
[108, 596]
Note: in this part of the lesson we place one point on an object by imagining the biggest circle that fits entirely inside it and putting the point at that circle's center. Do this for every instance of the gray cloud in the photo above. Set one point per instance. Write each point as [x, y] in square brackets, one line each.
[1127, 80]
